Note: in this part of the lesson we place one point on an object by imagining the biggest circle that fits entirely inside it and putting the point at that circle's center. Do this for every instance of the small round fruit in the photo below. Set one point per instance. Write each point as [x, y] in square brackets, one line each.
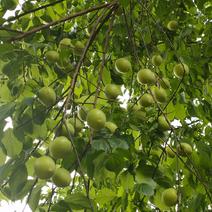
[52, 56]
[61, 177]
[83, 111]
[78, 48]
[44, 167]
[163, 123]
[157, 60]
[146, 100]
[169, 197]
[77, 124]
[112, 91]
[64, 132]
[160, 95]
[47, 96]
[60, 147]
[65, 43]
[172, 25]
[181, 70]
[111, 126]
[96, 119]
[9, 4]
[123, 65]
[169, 152]
[146, 76]
[184, 149]
[164, 82]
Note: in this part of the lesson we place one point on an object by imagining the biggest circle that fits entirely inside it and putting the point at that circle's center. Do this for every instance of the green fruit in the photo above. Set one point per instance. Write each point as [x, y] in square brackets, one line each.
[140, 115]
[44, 167]
[123, 65]
[164, 82]
[61, 177]
[157, 60]
[146, 100]
[47, 96]
[169, 197]
[160, 95]
[111, 126]
[60, 147]
[77, 124]
[163, 123]
[146, 76]
[133, 107]
[78, 48]
[64, 132]
[181, 70]
[184, 149]
[9, 4]
[96, 119]
[83, 111]
[65, 43]
[52, 56]
[172, 25]
[112, 91]
[169, 152]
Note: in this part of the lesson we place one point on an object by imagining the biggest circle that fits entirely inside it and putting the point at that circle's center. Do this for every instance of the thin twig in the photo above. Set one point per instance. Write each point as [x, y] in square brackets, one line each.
[30, 193]
[50, 201]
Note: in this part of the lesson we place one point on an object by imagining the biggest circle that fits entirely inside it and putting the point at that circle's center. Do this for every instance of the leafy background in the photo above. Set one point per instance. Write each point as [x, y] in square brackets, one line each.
[139, 169]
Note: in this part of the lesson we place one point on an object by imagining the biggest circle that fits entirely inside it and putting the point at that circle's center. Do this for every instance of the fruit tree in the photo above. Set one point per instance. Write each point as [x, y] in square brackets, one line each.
[109, 102]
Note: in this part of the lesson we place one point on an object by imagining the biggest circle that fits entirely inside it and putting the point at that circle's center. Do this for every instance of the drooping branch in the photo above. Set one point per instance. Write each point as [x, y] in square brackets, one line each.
[31, 11]
[54, 23]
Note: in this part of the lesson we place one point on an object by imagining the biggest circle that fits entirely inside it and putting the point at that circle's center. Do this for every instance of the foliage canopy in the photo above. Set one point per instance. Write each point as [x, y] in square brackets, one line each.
[76, 48]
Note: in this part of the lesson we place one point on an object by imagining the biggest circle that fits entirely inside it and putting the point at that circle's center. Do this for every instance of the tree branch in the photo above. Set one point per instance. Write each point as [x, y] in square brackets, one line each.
[53, 23]
[31, 11]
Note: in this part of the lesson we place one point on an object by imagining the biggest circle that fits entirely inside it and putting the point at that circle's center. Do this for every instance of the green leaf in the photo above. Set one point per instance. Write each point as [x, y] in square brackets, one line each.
[145, 189]
[35, 197]
[127, 180]
[180, 111]
[25, 190]
[5, 93]
[78, 201]
[12, 145]
[114, 163]
[12, 69]
[40, 131]
[6, 170]
[100, 144]
[5, 48]
[17, 180]
[170, 110]
[116, 142]
[61, 206]
[140, 178]
[6, 110]
[2, 157]
[105, 195]
[124, 3]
